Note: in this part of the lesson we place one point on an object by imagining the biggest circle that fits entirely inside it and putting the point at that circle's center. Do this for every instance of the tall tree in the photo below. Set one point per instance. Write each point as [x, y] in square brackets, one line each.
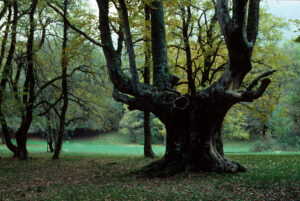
[6, 71]
[64, 83]
[29, 88]
[193, 122]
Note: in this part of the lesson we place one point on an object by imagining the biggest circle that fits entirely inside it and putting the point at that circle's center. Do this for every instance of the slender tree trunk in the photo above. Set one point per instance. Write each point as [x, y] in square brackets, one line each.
[5, 37]
[148, 152]
[50, 143]
[29, 87]
[185, 32]
[2, 139]
[64, 65]
[50, 139]
[264, 130]
[5, 74]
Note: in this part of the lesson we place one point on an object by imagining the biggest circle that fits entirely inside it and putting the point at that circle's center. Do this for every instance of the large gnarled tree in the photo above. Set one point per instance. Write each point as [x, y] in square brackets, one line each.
[193, 122]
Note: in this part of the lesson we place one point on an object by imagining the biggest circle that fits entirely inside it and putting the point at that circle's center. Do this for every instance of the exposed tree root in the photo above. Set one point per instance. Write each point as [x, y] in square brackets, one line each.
[164, 168]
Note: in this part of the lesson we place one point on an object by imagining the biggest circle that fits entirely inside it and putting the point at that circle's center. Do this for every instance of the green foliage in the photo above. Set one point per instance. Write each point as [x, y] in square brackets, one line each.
[234, 125]
[297, 23]
[132, 124]
[266, 144]
[158, 128]
[282, 129]
[280, 124]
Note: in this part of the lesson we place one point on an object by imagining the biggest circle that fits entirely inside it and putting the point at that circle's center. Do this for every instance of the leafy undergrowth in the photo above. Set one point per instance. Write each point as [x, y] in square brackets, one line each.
[78, 177]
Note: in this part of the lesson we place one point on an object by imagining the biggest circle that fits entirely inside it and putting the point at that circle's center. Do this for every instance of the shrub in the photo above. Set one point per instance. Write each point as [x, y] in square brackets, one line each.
[266, 144]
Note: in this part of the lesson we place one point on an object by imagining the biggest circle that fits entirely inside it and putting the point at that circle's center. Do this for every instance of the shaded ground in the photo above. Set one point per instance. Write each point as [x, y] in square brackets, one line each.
[78, 177]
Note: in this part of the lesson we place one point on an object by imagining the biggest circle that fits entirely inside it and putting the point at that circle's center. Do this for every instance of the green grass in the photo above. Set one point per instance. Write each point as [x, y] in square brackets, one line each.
[102, 177]
[99, 168]
[118, 144]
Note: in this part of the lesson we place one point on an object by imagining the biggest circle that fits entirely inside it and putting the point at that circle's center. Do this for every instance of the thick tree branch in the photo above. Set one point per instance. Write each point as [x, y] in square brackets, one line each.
[249, 96]
[130, 48]
[253, 21]
[113, 57]
[5, 37]
[133, 103]
[255, 81]
[162, 78]
[223, 17]
[239, 16]
[252, 95]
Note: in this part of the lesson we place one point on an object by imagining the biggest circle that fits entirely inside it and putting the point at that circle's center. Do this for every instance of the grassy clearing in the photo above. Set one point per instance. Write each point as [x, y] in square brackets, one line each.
[99, 168]
[101, 177]
[116, 144]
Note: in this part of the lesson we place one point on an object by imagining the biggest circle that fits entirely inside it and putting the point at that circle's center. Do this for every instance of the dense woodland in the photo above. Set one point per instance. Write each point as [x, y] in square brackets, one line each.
[191, 71]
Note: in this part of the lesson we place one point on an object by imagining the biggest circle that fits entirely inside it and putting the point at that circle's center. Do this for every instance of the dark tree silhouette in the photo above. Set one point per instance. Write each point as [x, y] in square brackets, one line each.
[193, 122]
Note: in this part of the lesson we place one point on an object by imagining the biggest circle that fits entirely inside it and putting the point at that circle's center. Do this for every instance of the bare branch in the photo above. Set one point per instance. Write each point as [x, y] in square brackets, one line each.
[75, 28]
[51, 105]
[50, 82]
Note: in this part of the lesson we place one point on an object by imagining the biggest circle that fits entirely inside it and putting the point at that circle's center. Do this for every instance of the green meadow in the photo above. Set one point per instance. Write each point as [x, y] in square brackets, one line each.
[101, 168]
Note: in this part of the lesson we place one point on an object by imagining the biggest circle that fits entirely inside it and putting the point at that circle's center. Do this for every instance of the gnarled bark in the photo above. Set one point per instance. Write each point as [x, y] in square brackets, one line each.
[194, 139]
[193, 122]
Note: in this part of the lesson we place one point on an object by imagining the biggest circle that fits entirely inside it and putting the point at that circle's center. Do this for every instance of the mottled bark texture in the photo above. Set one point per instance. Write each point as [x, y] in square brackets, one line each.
[193, 122]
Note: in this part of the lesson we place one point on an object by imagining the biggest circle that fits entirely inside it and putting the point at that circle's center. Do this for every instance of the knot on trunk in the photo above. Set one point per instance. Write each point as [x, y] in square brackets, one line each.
[181, 103]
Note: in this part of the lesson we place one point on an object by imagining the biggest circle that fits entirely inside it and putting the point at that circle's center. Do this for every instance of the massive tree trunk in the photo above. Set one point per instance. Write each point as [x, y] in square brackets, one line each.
[193, 122]
[194, 140]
